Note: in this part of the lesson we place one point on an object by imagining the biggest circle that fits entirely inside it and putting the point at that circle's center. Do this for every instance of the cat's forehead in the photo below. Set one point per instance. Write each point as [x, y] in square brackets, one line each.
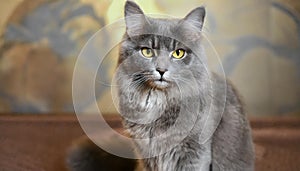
[157, 41]
[170, 31]
[159, 33]
[164, 33]
[163, 26]
[165, 21]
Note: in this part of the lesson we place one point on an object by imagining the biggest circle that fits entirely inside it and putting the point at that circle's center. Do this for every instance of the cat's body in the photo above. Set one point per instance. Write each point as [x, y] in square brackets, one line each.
[230, 147]
[189, 118]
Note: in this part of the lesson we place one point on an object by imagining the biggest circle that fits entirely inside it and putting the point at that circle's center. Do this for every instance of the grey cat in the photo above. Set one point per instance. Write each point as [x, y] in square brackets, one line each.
[180, 115]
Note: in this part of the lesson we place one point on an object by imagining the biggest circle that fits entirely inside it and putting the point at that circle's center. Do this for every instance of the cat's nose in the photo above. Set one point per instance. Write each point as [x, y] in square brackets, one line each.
[161, 71]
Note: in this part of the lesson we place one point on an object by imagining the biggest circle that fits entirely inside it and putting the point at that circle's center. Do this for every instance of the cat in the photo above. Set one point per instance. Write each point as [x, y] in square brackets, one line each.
[180, 115]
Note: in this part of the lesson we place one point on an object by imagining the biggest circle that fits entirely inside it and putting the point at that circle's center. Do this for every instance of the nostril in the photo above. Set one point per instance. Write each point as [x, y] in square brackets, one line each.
[161, 71]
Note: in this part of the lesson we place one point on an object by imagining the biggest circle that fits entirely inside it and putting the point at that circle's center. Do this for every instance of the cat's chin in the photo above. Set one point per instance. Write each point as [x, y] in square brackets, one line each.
[158, 84]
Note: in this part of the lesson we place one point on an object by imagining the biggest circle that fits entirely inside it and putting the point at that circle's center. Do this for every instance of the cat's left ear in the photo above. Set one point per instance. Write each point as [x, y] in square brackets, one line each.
[196, 17]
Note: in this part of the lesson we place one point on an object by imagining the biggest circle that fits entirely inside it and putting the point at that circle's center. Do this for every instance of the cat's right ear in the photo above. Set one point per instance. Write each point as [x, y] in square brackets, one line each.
[135, 18]
[196, 17]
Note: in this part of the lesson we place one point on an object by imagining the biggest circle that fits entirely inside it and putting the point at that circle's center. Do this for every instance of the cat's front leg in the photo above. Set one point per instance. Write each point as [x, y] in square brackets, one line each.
[205, 158]
[204, 165]
[201, 162]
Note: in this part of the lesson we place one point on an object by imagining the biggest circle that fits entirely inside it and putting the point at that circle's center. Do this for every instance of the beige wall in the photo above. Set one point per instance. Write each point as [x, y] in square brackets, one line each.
[257, 42]
[7, 7]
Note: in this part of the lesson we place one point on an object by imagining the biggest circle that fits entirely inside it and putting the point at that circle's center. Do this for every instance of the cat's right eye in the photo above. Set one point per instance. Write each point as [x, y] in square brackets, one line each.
[147, 52]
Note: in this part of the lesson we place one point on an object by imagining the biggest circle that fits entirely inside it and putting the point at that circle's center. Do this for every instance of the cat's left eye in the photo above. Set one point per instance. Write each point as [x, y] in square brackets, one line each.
[178, 54]
[147, 52]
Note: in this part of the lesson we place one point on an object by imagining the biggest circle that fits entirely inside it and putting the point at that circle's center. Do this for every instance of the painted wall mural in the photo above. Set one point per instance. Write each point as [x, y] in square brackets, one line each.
[258, 43]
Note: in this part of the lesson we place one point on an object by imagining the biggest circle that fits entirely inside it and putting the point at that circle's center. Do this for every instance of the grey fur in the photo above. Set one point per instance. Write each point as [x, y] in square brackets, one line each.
[150, 109]
[189, 118]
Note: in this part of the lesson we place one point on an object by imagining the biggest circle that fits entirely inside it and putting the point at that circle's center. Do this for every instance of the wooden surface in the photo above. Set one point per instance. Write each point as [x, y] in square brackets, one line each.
[40, 142]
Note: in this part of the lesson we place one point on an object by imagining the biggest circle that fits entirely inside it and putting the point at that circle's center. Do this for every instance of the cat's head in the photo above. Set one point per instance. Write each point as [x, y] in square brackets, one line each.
[159, 53]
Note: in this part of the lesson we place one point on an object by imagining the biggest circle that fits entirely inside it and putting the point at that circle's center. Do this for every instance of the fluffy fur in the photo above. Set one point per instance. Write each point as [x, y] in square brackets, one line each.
[190, 119]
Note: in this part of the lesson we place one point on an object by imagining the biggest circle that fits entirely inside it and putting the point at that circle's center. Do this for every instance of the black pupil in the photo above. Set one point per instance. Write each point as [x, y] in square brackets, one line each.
[177, 52]
[148, 51]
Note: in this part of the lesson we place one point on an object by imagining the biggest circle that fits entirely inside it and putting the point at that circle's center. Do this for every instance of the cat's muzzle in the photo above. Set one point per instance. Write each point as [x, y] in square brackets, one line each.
[160, 84]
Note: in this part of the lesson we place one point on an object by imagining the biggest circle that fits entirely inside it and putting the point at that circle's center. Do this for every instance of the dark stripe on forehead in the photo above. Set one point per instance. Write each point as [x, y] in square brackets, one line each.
[173, 44]
[169, 43]
[153, 42]
[159, 42]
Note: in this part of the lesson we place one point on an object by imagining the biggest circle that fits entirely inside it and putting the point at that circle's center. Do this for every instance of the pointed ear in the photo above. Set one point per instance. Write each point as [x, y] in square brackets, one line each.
[196, 17]
[135, 18]
[131, 8]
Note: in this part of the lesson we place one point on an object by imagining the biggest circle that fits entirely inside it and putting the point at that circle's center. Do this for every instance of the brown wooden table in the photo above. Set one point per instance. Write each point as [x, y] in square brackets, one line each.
[40, 142]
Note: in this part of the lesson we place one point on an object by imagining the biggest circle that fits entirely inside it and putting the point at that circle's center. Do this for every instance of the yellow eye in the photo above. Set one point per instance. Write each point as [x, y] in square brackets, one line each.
[147, 52]
[178, 54]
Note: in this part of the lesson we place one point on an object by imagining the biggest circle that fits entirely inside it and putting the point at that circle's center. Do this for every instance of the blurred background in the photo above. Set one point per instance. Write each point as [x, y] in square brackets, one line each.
[257, 40]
